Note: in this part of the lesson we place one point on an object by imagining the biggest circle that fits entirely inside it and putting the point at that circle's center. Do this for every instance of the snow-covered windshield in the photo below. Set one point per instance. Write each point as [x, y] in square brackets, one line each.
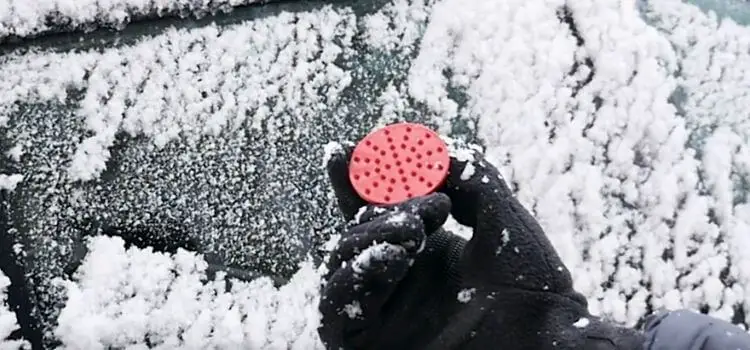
[622, 125]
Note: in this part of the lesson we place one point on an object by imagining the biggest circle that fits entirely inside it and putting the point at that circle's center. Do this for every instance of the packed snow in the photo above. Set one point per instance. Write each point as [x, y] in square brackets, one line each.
[624, 132]
[140, 298]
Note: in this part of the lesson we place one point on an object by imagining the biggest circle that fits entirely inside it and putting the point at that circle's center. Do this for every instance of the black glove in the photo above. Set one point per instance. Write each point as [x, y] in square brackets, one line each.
[506, 288]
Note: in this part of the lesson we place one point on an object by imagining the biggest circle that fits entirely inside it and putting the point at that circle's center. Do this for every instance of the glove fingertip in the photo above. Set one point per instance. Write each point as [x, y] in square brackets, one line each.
[337, 157]
[436, 212]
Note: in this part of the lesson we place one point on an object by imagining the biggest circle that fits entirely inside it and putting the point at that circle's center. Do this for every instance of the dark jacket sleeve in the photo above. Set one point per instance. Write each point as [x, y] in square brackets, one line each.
[688, 330]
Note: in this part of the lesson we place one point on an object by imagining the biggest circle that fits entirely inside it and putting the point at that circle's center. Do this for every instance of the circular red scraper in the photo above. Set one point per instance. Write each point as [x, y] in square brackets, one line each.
[398, 162]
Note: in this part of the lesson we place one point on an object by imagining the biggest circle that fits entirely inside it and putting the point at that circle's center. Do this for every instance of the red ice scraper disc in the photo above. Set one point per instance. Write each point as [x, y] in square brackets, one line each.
[398, 162]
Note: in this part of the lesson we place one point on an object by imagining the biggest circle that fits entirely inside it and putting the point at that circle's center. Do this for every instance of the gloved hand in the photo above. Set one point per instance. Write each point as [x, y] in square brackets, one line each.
[506, 288]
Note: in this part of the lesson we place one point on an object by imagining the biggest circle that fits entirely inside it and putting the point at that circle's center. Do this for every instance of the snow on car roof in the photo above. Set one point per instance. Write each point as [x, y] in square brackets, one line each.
[624, 131]
[27, 18]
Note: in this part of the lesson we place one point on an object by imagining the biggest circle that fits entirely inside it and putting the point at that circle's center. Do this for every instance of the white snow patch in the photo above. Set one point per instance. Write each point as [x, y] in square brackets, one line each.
[328, 246]
[463, 155]
[504, 239]
[225, 75]
[398, 24]
[331, 243]
[621, 156]
[360, 212]
[9, 182]
[468, 172]
[15, 152]
[465, 295]
[23, 18]
[422, 245]
[120, 297]
[451, 225]
[8, 319]
[18, 249]
[376, 253]
[353, 310]
[329, 150]
[398, 218]
[581, 323]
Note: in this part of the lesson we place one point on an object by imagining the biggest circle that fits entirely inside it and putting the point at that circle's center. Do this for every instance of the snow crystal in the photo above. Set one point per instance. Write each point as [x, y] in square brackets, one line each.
[7, 319]
[9, 182]
[375, 253]
[581, 323]
[398, 218]
[353, 310]
[465, 295]
[468, 172]
[504, 239]
[23, 18]
[485, 179]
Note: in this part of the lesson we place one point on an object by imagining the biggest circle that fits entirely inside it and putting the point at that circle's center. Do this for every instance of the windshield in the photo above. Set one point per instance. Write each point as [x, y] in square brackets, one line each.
[622, 125]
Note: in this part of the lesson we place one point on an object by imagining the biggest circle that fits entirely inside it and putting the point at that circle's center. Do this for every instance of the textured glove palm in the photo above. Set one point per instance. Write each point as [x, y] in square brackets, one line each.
[397, 280]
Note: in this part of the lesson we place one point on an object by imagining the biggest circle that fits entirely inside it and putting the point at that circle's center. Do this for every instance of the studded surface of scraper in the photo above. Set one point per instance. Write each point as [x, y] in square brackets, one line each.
[398, 162]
